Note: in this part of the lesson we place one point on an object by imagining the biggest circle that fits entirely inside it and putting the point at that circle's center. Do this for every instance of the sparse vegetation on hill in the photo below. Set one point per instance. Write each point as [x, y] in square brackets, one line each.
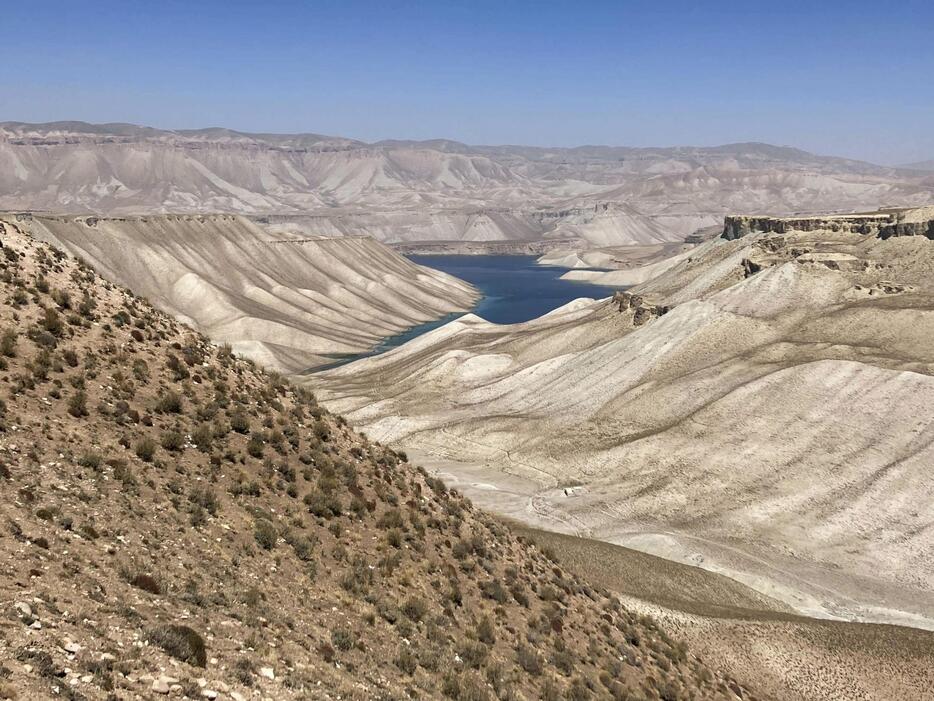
[176, 521]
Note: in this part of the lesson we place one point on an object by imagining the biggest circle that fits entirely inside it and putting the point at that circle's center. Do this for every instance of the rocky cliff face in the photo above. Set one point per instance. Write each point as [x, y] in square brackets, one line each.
[918, 221]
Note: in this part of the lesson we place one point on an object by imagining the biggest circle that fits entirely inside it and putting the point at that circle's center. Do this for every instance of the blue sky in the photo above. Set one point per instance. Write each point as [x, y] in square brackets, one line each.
[846, 78]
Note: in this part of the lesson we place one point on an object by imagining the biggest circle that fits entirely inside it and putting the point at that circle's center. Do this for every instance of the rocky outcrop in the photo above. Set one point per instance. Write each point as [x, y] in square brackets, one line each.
[835, 261]
[750, 267]
[922, 228]
[642, 312]
[885, 224]
[702, 235]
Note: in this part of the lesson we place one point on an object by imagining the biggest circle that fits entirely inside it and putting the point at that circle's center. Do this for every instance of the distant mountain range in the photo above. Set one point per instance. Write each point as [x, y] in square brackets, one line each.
[920, 165]
[431, 190]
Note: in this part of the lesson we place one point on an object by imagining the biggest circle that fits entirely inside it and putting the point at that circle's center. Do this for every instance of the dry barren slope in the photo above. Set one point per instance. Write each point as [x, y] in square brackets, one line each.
[430, 191]
[772, 426]
[793, 657]
[285, 301]
[176, 522]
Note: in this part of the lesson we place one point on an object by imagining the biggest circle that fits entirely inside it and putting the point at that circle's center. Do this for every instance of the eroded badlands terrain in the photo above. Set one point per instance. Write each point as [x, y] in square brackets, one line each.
[178, 523]
[432, 191]
[285, 300]
[760, 409]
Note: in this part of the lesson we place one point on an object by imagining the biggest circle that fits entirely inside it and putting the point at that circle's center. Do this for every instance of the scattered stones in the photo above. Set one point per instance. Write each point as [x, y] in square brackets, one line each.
[163, 684]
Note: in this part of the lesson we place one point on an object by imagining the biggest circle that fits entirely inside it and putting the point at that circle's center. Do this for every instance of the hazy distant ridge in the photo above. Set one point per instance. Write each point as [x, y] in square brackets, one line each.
[432, 190]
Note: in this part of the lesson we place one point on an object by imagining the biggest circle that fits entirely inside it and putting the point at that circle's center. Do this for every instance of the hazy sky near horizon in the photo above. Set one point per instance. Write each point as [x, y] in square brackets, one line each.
[852, 78]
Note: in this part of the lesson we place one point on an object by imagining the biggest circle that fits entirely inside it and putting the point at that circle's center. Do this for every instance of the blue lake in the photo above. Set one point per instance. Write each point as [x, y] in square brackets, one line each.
[514, 289]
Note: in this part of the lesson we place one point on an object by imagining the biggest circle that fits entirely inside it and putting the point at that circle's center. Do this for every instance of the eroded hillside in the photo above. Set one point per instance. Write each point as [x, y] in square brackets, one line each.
[760, 408]
[408, 191]
[286, 301]
[175, 521]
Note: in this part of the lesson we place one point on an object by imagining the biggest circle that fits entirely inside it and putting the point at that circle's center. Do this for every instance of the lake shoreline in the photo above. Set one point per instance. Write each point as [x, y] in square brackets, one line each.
[513, 289]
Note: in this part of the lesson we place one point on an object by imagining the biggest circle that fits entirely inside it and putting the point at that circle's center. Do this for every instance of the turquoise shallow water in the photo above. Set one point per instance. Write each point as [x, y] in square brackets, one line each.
[514, 290]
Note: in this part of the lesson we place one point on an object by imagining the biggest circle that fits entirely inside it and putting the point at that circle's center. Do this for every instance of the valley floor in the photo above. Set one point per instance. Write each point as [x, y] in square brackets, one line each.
[791, 650]
[790, 656]
[814, 593]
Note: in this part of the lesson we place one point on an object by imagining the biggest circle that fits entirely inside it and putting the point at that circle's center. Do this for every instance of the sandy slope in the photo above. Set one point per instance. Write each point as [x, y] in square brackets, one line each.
[399, 191]
[775, 428]
[629, 276]
[284, 301]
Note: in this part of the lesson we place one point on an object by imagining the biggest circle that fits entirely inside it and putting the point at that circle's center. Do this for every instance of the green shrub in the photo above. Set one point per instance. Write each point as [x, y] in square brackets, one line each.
[90, 459]
[493, 589]
[406, 660]
[203, 437]
[323, 505]
[486, 633]
[52, 322]
[179, 370]
[394, 537]
[140, 369]
[146, 583]
[169, 403]
[255, 446]
[240, 422]
[181, 642]
[464, 687]
[146, 449]
[78, 404]
[529, 660]
[391, 519]
[8, 343]
[244, 669]
[86, 308]
[265, 534]
[304, 548]
[414, 608]
[204, 497]
[358, 578]
[62, 298]
[321, 430]
[577, 691]
[563, 661]
[343, 639]
[472, 653]
[172, 440]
